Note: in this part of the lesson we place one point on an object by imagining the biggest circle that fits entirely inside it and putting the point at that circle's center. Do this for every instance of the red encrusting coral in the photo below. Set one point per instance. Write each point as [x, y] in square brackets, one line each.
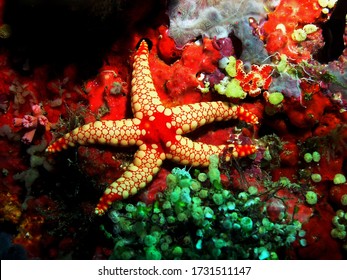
[290, 153]
[306, 113]
[284, 20]
[107, 92]
[158, 185]
[167, 50]
[178, 83]
[94, 162]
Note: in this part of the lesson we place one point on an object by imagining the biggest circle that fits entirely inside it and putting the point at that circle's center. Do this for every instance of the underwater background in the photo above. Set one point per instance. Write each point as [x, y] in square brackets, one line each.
[277, 188]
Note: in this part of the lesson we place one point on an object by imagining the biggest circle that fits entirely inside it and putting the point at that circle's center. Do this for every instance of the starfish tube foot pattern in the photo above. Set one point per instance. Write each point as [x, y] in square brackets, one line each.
[157, 131]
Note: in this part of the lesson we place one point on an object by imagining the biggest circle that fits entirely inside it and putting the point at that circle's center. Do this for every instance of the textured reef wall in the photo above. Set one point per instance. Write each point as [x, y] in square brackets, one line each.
[276, 190]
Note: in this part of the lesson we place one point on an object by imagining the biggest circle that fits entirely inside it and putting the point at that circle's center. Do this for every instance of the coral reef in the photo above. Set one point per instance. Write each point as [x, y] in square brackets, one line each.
[151, 126]
[197, 218]
[291, 29]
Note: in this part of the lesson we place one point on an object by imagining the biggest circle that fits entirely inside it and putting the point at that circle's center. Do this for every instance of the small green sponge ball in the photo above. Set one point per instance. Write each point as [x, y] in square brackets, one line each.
[339, 179]
[152, 253]
[311, 197]
[246, 224]
[276, 98]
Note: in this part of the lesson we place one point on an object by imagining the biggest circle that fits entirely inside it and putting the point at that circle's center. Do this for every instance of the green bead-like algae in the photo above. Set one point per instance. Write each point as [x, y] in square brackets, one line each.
[227, 224]
[195, 185]
[152, 253]
[234, 90]
[198, 213]
[246, 224]
[316, 177]
[215, 217]
[185, 195]
[214, 175]
[311, 197]
[316, 156]
[218, 199]
[166, 205]
[177, 251]
[184, 183]
[308, 157]
[182, 217]
[150, 240]
[208, 212]
[231, 66]
[252, 190]
[276, 98]
[175, 195]
[203, 193]
[339, 179]
[171, 219]
[202, 177]
[171, 180]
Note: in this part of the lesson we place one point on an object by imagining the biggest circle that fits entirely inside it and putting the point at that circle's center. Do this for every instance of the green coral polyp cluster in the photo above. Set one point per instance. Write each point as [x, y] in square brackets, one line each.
[311, 197]
[196, 218]
[228, 86]
[314, 158]
[231, 67]
[339, 222]
[339, 179]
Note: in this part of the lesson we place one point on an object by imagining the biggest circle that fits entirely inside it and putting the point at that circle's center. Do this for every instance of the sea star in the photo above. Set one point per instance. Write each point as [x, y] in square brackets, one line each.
[157, 131]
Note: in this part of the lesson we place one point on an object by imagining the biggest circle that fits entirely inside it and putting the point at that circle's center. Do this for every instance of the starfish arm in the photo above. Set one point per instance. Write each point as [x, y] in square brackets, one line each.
[191, 116]
[188, 152]
[144, 97]
[146, 164]
[122, 132]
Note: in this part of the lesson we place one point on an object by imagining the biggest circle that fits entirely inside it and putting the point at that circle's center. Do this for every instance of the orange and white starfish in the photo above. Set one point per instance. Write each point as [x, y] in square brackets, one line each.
[157, 131]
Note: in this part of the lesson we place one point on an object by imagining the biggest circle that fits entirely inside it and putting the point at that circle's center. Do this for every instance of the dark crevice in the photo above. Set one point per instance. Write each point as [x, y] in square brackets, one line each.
[333, 31]
[80, 32]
